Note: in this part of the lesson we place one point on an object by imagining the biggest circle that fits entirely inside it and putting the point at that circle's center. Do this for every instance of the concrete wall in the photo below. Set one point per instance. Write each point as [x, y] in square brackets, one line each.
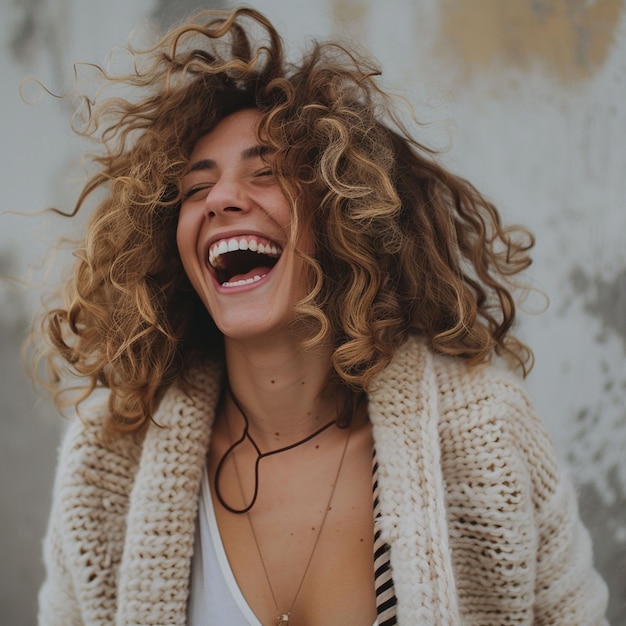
[526, 97]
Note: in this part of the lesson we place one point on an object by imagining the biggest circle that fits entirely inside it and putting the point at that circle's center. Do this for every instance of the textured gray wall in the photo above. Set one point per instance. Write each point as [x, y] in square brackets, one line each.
[526, 96]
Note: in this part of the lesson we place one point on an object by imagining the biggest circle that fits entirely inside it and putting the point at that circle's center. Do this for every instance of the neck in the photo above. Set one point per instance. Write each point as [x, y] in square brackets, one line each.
[283, 391]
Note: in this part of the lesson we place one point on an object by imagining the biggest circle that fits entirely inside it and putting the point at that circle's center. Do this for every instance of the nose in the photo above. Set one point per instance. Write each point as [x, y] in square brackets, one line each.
[227, 196]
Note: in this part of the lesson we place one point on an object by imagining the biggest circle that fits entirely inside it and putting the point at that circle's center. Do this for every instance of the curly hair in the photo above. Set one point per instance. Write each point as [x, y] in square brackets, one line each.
[410, 247]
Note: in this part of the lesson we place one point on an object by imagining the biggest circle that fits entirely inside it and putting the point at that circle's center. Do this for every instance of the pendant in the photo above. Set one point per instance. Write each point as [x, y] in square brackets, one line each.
[282, 618]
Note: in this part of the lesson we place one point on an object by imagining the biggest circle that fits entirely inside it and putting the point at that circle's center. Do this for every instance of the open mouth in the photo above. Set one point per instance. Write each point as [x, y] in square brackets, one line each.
[243, 260]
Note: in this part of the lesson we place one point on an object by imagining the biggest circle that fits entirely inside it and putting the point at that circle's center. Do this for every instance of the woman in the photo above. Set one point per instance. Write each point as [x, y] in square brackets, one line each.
[302, 324]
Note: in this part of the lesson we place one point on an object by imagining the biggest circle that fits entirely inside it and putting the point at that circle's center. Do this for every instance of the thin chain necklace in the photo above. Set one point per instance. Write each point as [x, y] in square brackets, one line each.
[282, 617]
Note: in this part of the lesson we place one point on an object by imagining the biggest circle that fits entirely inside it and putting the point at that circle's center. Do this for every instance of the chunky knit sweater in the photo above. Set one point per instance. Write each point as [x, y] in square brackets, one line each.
[482, 525]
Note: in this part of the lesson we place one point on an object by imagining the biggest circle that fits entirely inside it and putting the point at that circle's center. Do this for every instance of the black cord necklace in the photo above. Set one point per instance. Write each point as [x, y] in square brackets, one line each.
[260, 456]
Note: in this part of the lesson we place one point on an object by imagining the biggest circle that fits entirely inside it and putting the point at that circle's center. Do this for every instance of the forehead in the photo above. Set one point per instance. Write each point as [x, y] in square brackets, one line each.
[230, 137]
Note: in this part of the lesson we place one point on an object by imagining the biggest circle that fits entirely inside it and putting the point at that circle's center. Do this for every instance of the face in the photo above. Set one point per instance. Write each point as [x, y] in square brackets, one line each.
[233, 233]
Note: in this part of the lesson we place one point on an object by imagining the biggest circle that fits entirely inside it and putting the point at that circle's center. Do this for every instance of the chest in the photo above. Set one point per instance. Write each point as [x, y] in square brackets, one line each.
[306, 546]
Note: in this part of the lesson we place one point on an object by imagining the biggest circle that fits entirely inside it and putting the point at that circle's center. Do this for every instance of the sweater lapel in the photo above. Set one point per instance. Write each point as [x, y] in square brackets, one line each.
[154, 573]
[403, 406]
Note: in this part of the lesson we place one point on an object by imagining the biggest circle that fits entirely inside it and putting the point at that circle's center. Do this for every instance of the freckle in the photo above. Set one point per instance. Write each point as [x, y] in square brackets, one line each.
[312, 527]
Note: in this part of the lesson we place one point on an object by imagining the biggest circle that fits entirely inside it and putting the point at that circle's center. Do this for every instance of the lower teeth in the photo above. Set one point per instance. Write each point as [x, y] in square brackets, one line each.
[247, 281]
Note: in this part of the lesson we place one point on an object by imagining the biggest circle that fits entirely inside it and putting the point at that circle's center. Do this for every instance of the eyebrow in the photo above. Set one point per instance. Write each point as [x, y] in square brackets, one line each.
[249, 153]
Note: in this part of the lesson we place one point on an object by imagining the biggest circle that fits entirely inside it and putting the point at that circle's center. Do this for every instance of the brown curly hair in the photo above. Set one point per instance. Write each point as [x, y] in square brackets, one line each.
[408, 246]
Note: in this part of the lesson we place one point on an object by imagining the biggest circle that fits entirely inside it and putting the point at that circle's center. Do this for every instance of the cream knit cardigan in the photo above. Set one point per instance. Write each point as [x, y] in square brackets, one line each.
[483, 527]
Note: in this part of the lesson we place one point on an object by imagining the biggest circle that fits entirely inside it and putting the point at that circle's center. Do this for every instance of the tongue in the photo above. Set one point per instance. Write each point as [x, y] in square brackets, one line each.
[256, 271]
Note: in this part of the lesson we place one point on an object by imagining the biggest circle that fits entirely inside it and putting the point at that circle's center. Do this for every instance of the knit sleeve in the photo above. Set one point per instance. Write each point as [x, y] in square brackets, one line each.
[568, 590]
[57, 602]
[85, 537]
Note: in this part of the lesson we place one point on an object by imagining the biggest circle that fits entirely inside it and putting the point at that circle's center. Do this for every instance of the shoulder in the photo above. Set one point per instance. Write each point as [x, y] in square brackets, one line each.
[481, 414]
[92, 461]
[476, 398]
[96, 468]
[471, 395]
[186, 401]
[491, 434]
[452, 382]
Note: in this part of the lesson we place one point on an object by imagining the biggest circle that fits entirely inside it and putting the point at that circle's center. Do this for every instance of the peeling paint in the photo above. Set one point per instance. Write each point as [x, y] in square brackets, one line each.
[569, 39]
[598, 431]
[605, 300]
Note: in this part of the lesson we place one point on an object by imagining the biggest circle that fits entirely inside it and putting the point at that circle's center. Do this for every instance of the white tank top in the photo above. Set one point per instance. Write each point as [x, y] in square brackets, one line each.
[214, 595]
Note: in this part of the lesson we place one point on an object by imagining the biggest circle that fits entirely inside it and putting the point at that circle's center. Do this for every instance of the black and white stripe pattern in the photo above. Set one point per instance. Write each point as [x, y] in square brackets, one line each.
[383, 581]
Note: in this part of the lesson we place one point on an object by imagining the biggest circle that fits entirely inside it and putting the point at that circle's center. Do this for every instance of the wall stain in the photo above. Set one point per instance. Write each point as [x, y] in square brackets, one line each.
[352, 14]
[599, 427]
[39, 29]
[569, 39]
[169, 12]
[605, 300]
[28, 28]
[604, 520]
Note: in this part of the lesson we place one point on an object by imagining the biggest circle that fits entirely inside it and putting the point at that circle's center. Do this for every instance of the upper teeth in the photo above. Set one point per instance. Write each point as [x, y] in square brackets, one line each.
[260, 246]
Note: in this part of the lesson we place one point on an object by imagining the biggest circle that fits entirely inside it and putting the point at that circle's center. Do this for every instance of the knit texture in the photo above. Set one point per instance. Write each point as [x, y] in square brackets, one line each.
[482, 525]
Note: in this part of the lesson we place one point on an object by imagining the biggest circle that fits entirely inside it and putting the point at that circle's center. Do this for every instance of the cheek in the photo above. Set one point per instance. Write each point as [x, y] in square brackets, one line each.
[277, 207]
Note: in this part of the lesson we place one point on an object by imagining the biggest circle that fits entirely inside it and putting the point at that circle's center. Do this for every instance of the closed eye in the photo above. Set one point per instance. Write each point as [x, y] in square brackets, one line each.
[265, 172]
[197, 189]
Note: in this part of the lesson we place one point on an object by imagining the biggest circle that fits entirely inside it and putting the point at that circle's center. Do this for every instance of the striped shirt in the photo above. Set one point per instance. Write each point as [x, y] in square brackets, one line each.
[383, 581]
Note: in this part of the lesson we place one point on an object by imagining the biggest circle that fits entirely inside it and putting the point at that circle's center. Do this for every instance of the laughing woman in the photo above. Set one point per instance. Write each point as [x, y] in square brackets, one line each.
[300, 403]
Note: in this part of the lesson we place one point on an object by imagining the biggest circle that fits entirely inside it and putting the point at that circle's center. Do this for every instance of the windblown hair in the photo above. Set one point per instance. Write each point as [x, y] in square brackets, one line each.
[401, 245]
